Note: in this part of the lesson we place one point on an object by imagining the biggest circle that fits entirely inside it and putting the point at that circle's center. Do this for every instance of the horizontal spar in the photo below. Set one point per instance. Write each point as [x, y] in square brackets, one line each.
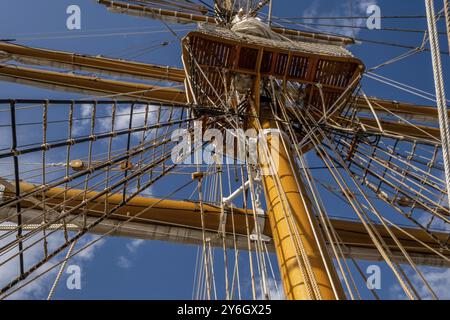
[179, 221]
[98, 64]
[90, 85]
[119, 67]
[400, 129]
[408, 111]
[182, 17]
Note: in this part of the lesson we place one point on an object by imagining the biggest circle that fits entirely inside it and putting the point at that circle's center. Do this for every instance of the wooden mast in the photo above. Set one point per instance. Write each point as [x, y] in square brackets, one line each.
[292, 225]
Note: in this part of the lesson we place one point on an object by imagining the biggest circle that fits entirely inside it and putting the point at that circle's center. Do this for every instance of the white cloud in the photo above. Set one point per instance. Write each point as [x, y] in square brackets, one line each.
[134, 245]
[88, 253]
[124, 262]
[10, 269]
[323, 9]
[275, 289]
[39, 288]
[86, 110]
[122, 119]
[438, 279]
[85, 113]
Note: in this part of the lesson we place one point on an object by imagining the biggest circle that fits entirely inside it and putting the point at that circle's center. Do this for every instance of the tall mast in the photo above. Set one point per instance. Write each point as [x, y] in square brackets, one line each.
[306, 269]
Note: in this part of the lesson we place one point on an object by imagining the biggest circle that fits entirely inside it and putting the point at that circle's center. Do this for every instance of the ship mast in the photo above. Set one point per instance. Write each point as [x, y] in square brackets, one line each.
[306, 269]
[305, 265]
[301, 95]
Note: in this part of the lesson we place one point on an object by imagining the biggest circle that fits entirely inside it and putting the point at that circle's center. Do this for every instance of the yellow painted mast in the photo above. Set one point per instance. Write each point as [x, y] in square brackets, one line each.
[292, 200]
[305, 267]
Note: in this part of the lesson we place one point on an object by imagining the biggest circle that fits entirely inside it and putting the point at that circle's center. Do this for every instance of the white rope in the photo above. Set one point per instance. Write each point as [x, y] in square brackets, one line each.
[61, 269]
[440, 91]
[447, 20]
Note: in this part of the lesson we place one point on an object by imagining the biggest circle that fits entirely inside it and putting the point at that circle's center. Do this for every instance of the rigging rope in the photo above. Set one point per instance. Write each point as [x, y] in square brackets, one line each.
[61, 269]
[440, 92]
[354, 17]
[447, 20]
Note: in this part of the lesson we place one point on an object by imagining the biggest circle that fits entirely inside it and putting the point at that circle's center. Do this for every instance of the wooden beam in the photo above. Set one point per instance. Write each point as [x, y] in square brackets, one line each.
[185, 215]
[139, 10]
[408, 111]
[403, 129]
[90, 85]
[98, 64]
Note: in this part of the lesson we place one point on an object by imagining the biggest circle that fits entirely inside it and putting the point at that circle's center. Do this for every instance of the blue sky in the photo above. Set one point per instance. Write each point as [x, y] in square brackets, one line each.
[123, 268]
